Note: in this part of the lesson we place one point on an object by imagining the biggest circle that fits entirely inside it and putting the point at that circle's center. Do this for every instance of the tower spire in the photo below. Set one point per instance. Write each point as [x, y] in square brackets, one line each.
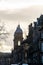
[18, 37]
[18, 22]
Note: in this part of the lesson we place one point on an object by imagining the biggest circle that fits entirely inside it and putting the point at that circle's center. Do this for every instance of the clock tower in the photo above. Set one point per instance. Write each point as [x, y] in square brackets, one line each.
[18, 37]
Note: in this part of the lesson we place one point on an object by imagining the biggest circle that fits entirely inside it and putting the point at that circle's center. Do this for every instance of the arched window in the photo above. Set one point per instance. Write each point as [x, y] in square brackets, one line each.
[19, 43]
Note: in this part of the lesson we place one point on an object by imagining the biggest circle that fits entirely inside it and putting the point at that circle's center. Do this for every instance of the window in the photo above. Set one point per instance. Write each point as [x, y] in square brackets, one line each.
[18, 43]
[25, 54]
[24, 64]
[34, 55]
[42, 46]
[42, 59]
[41, 34]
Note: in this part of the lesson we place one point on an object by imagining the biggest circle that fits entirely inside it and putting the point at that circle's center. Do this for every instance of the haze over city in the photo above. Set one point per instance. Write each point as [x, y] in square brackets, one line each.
[14, 12]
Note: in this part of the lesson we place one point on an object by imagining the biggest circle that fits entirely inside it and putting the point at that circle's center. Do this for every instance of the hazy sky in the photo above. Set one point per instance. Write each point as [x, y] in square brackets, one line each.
[15, 4]
[23, 12]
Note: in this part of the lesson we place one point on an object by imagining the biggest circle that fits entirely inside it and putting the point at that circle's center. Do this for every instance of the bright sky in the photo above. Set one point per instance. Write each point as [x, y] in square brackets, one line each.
[15, 4]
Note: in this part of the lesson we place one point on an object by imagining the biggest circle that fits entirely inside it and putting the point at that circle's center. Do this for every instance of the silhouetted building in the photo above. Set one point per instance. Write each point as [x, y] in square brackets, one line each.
[28, 51]
[17, 51]
[5, 58]
[35, 41]
[18, 37]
